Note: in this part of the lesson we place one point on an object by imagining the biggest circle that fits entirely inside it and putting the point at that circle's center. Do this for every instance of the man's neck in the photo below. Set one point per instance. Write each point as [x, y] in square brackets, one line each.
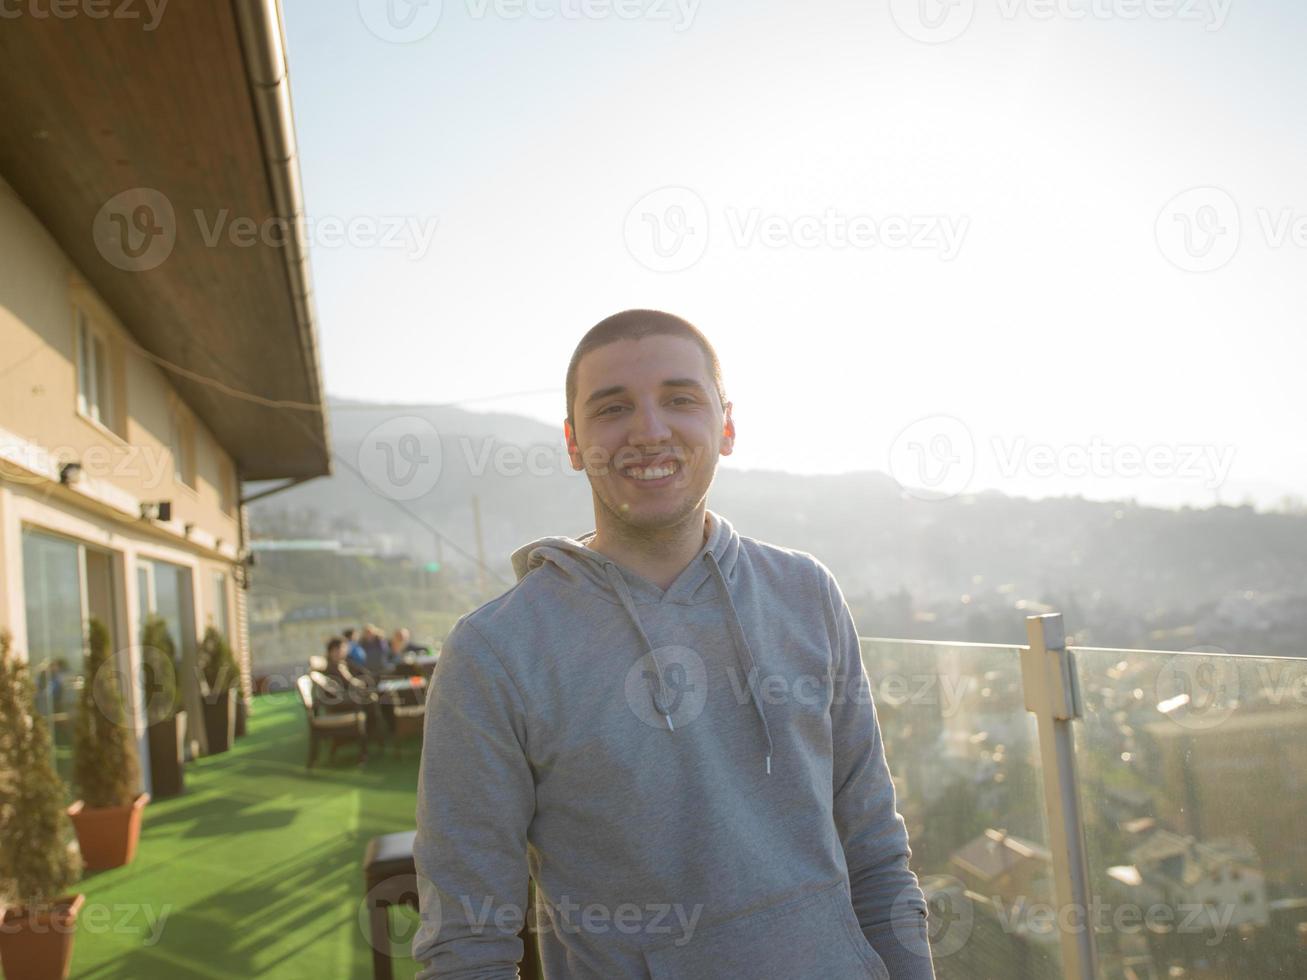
[660, 555]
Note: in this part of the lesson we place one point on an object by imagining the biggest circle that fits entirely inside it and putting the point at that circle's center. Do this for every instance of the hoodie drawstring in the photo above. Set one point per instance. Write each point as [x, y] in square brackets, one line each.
[743, 655]
[658, 697]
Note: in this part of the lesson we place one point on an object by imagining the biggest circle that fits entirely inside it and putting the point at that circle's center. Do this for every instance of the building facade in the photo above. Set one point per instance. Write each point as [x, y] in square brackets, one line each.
[148, 370]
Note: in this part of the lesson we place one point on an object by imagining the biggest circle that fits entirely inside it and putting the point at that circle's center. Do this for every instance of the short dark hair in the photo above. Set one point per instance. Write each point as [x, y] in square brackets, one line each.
[334, 642]
[636, 325]
[347, 634]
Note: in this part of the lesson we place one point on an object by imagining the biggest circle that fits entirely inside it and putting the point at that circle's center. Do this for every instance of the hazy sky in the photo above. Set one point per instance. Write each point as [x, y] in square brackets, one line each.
[1043, 246]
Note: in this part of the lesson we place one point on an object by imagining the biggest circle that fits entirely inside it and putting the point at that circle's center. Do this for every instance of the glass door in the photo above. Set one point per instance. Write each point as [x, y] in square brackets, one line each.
[65, 583]
[164, 590]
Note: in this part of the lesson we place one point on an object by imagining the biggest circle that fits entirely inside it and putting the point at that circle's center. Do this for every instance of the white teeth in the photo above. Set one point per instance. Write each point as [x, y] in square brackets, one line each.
[651, 472]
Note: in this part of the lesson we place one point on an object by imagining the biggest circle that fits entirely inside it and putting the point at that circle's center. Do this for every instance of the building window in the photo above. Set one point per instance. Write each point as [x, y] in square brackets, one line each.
[182, 444]
[220, 605]
[95, 374]
[65, 583]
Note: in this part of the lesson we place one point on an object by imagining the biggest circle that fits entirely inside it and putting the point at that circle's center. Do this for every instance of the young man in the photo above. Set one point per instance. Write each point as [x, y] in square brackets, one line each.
[665, 724]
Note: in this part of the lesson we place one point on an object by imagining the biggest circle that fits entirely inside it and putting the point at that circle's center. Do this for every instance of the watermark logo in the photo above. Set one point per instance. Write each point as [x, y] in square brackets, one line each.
[951, 916]
[136, 230]
[667, 229]
[150, 12]
[401, 21]
[1199, 230]
[398, 890]
[680, 696]
[938, 21]
[932, 21]
[934, 457]
[1199, 689]
[401, 458]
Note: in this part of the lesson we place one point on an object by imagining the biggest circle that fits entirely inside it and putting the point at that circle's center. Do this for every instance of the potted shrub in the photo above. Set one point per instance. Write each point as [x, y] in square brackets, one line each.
[222, 680]
[167, 719]
[37, 865]
[105, 769]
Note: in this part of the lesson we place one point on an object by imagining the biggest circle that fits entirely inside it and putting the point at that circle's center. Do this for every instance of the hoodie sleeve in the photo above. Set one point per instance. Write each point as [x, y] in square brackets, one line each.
[886, 896]
[475, 801]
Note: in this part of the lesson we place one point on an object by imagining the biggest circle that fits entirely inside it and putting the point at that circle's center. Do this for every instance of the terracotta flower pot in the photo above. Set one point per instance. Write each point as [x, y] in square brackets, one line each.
[108, 835]
[37, 944]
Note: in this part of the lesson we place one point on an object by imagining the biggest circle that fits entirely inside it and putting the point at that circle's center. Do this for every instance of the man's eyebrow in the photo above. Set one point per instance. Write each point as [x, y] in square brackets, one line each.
[603, 393]
[685, 383]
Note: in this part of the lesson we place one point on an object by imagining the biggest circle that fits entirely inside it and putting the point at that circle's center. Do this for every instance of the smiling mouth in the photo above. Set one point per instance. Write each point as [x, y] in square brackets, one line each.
[653, 471]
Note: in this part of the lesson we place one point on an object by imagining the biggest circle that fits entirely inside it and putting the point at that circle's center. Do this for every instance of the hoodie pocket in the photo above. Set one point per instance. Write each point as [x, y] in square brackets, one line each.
[813, 937]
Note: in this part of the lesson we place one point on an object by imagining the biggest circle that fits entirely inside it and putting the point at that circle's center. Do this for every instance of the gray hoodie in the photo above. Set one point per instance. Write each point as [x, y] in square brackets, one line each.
[694, 778]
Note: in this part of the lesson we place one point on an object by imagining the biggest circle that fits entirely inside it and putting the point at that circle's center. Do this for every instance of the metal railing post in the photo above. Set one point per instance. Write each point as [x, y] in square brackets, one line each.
[1052, 696]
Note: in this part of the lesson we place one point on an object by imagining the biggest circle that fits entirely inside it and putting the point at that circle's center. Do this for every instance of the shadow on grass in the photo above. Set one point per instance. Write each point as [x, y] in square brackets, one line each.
[277, 922]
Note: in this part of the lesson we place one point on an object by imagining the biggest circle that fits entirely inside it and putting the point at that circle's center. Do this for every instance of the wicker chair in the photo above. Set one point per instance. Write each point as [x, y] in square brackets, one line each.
[341, 726]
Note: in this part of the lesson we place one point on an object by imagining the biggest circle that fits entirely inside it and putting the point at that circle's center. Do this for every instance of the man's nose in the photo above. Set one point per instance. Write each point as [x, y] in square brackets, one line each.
[648, 428]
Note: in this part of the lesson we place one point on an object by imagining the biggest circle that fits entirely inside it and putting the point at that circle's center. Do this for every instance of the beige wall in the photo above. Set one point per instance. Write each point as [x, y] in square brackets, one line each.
[40, 293]
[124, 464]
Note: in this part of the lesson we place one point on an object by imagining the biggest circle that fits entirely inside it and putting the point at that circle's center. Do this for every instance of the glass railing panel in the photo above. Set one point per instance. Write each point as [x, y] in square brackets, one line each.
[1192, 770]
[964, 755]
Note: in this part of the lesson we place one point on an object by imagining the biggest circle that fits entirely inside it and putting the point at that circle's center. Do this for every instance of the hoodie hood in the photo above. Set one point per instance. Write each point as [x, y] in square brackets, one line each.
[585, 568]
[708, 575]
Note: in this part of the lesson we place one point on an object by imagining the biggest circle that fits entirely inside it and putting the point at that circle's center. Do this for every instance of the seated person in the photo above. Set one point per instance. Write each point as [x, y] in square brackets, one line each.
[349, 691]
[376, 652]
[401, 646]
[354, 652]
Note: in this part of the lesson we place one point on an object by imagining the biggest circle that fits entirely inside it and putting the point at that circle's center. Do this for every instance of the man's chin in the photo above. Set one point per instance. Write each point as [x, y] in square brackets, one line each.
[652, 515]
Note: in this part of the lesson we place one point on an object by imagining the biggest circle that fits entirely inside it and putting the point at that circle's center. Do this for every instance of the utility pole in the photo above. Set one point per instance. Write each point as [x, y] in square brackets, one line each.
[481, 546]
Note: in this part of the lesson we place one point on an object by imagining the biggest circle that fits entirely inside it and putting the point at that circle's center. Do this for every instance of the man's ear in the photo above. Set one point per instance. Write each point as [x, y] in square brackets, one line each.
[728, 431]
[573, 450]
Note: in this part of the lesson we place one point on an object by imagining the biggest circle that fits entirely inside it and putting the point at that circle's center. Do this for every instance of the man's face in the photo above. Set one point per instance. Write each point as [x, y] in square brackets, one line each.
[649, 428]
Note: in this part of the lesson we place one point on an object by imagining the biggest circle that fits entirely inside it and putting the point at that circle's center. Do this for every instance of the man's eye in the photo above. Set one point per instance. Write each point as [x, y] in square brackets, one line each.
[609, 409]
[682, 400]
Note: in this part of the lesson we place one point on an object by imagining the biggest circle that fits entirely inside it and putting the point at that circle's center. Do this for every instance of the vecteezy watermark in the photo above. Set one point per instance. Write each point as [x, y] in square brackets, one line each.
[407, 21]
[148, 467]
[137, 230]
[934, 458]
[109, 687]
[401, 458]
[625, 918]
[119, 919]
[401, 21]
[398, 890]
[407, 232]
[667, 687]
[668, 230]
[951, 916]
[1203, 228]
[938, 21]
[932, 21]
[149, 12]
[1207, 465]
[1198, 689]
[1199, 230]
[945, 691]
[1036, 918]
[404, 457]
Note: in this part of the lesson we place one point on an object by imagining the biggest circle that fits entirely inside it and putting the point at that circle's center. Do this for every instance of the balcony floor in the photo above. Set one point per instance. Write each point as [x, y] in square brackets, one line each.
[255, 870]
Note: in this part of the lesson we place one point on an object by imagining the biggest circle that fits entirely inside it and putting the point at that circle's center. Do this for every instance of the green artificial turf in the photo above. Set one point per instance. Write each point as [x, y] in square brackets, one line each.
[255, 870]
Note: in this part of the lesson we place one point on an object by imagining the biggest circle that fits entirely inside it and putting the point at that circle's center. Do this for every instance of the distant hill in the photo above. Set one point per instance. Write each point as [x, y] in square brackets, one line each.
[964, 568]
